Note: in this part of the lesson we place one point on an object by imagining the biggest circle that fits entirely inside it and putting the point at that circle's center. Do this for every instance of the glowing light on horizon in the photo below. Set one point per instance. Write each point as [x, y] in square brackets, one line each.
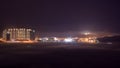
[86, 33]
[56, 39]
[68, 40]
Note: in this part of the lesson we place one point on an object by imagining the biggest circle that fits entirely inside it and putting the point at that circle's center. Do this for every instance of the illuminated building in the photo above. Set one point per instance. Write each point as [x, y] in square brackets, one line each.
[14, 34]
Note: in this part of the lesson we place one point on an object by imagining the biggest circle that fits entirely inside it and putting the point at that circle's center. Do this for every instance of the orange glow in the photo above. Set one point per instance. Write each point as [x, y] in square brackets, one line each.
[28, 42]
[87, 40]
[20, 41]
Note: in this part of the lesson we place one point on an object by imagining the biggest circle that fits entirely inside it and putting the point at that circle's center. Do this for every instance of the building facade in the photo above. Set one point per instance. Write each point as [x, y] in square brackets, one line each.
[18, 34]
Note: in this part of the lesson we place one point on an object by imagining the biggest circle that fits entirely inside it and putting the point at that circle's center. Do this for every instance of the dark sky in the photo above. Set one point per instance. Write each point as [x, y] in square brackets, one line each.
[61, 16]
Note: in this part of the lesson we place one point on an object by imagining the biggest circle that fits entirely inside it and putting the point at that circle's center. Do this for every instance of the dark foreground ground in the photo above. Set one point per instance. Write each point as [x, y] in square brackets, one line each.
[54, 55]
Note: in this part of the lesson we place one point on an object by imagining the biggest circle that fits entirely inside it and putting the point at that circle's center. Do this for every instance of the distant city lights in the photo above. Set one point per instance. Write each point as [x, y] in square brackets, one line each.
[24, 35]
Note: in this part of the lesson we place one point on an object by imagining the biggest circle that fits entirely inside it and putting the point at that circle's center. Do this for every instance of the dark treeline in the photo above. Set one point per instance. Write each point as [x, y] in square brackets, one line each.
[113, 39]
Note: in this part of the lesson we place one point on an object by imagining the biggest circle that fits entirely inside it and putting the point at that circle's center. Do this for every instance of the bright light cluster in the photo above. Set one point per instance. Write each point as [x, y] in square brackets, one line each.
[68, 40]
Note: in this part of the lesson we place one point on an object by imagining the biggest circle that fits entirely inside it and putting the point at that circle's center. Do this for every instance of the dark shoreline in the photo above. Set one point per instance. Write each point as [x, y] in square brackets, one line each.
[59, 55]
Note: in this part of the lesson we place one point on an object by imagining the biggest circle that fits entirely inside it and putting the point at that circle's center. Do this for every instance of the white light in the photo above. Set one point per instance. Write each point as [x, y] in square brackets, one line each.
[40, 39]
[34, 31]
[8, 32]
[45, 39]
[56, 39]
[68, 40]
[86, 33]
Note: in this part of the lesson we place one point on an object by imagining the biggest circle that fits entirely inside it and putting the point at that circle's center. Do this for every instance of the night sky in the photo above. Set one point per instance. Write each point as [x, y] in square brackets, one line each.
[61, 16]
